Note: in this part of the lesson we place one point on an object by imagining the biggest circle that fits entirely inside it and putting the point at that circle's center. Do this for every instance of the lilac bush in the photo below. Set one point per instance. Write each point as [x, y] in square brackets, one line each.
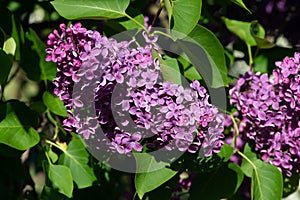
[125, 103]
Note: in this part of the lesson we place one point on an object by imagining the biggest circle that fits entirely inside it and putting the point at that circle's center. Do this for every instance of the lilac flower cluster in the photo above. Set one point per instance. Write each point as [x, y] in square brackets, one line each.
[119, 87]
[270, 110]
[67, 49]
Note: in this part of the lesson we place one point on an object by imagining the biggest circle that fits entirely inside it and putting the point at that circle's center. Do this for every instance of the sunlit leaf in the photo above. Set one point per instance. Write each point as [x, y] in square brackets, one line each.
[54, 104]
[241, 4]
[258, 33]
[61, 178]
[76, 158]
[185, 15]
[240, 29]
[91, 9]
[136, 15]
[9, 46]
[16, 126]
[170, 70]
[266, 181]
[151, 178]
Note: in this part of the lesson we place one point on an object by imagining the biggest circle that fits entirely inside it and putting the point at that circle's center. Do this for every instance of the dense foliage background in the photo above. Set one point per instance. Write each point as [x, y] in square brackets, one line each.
[42, 160]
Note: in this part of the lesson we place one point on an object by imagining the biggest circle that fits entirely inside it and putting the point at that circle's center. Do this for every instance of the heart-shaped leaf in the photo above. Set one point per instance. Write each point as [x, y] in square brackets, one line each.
[16, 126]
[76, 158]
[185, 15]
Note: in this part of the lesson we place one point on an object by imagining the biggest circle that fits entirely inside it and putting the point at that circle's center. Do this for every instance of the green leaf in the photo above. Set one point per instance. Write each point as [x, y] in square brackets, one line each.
[267, 182]
[146, 182]
[9, 46]
[241, 4]
[258, 33]
[53, 156]
[170, 70]
[206, 53]
[190, 72]
[185, 15]
[246, 166]
[239, 173]
[61, 178]
[76, 157]
[6, 64]
[240, 29]
[153, 175]
[18, 35]
[151, 178]
[16, 126]
[218, 184]
[261, 64]
[136, 15]
[47, 69]
[226, 152]
[147, 163]
[91, 9]
[54, 104]
[169, 8]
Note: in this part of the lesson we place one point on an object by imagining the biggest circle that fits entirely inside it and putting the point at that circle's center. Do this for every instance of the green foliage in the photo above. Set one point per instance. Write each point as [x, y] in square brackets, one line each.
[76, 158]
[137, 16]
[17, 125]
[54, 104]
[153, 174]
[169, 69]
[239, 173]
[209, 59]
[34, 63]
[6, 65]
[91, 9]
[183, 15]
[242, 30]
[226, 152]
[267, 180]
[241, 4]
[146, 182]
[61, 178]
[18, 34]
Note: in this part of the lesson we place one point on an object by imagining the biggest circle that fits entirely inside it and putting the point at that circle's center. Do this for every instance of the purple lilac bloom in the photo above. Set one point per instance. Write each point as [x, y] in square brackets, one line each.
[270, 111]
[124, 87]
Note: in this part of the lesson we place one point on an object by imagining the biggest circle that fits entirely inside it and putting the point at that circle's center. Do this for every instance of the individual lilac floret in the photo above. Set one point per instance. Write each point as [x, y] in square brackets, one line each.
[270, 111]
